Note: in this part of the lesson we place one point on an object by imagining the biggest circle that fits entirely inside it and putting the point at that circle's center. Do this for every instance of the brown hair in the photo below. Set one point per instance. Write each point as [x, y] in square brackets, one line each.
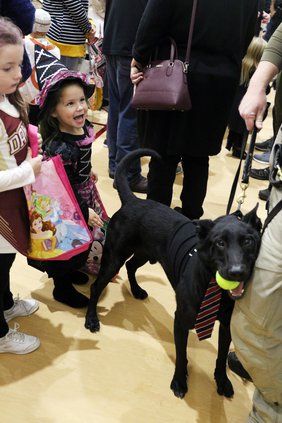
[10, 34]
[46, 226]
[251, 59]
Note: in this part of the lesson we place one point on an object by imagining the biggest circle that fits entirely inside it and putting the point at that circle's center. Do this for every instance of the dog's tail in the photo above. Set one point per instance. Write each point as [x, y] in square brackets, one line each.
[122, 169]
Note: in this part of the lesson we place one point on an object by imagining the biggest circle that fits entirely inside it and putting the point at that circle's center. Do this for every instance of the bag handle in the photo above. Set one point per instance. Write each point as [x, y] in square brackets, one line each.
[189, 42]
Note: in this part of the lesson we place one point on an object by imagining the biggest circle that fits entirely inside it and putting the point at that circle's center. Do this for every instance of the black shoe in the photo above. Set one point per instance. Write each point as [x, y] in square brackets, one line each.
[69, 296]
[236, 367]
[178, 209]
[264, 194]
[262, 174]
[265, 145]
[141, 185]
[236, 152]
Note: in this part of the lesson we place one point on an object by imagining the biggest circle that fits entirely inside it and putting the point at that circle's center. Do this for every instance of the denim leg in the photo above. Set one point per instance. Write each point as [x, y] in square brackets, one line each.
[122, 121]
[72, 63]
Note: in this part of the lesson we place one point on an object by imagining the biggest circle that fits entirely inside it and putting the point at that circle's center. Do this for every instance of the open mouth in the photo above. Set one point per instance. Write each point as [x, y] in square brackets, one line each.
[79, 119]
[238, 292]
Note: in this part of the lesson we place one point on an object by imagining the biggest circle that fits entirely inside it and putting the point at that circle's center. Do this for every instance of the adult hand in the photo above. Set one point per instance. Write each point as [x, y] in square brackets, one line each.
[136, 74]
[35, 162]
[252, 109]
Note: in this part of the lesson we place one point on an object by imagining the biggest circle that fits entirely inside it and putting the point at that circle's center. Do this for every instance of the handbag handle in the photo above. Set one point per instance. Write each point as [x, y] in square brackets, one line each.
[189, 42]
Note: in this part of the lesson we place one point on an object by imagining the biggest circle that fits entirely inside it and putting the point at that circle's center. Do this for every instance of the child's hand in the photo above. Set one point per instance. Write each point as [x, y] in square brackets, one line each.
[94, 176]
[40, 140]
[94, 219]
[34, 161]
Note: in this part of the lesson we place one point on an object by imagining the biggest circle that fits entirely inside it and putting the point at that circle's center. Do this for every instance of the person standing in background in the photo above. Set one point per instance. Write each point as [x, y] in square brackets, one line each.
[70, 28]
[119, 34]
[220, 40]
[29, 89]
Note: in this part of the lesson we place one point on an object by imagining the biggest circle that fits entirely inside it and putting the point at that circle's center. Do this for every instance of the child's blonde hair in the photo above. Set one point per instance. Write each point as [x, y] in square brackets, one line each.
[251, 59]
[10, 34]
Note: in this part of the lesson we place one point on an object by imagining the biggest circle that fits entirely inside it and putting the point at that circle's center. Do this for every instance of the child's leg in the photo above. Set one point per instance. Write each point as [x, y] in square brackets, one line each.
[6, 297]
[61, 272]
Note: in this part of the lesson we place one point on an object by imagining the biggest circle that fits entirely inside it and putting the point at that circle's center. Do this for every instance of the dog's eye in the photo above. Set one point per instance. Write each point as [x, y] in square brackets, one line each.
[247, 242]
[220, 243]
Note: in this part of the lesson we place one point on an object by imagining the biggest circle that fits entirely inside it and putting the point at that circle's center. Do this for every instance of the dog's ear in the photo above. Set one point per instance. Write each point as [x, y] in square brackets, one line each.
[237, 214]
[253, 219]
[203, 227]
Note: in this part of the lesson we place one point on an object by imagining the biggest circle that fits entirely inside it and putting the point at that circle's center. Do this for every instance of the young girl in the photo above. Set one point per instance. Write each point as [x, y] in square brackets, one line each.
[17, 169]
[66, 132]
[236, 124]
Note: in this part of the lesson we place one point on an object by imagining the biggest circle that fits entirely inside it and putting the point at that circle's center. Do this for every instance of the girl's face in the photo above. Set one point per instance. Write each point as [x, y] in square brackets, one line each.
[71, 111]
[11, 56]
[37, 224]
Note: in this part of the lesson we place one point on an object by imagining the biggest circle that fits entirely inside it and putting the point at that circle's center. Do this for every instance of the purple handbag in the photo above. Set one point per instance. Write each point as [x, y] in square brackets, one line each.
[164, 84]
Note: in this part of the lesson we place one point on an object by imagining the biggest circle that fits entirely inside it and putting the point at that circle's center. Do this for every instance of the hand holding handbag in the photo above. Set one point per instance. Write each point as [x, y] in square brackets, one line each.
[164, 84]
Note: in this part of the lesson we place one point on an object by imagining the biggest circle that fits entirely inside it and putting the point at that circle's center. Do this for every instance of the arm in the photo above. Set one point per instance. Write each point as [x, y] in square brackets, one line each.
[79, 15]
[253, 103]
[16, 178]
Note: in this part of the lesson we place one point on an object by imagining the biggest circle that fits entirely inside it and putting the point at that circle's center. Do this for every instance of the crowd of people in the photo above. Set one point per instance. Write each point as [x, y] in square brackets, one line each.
[233, 62]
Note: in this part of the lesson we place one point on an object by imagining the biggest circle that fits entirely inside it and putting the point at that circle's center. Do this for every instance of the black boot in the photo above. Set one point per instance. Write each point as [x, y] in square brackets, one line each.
[65, 293]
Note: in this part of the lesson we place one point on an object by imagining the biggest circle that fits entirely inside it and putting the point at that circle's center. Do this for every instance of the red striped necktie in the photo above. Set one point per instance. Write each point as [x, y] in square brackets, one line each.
[208, 311]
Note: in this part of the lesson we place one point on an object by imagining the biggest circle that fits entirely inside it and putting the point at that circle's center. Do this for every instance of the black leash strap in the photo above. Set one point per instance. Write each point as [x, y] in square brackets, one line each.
[276, 209]
[247, 166]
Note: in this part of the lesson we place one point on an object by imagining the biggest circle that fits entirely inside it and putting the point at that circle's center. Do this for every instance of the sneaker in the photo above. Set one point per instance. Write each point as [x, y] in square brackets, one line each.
[179, 169]
[21, 308]
[262, 174]
[17, 342]
[263, 158]
[264, 194]
[265, 145]
[236, 367]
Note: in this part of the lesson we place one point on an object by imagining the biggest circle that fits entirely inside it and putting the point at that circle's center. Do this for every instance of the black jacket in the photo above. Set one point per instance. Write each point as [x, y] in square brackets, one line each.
[121, 22]
[223, 31]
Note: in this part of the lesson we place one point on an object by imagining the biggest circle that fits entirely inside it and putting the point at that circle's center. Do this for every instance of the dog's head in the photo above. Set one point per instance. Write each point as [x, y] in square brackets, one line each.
[230, 245]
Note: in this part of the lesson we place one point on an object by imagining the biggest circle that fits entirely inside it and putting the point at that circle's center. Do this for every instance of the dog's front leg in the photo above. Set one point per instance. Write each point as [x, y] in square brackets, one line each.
[224, 386]
[179, 382]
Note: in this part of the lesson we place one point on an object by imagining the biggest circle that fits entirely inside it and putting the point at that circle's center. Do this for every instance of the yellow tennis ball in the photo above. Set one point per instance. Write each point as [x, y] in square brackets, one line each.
[224, 283]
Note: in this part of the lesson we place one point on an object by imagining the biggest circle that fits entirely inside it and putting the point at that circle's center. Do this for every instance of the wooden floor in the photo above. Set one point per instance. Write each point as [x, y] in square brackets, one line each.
[123, 373]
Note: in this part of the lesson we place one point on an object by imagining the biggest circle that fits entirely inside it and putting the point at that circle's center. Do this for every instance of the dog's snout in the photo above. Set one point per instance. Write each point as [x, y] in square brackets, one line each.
[237, 272]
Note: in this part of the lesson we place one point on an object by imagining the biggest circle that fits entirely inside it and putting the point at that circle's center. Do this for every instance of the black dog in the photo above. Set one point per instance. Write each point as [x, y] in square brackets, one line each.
[146, 230]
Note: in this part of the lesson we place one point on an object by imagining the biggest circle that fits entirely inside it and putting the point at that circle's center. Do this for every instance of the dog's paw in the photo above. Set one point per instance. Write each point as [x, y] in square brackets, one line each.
[179, 389]
[92, 324]
[139, 294]
[224, 387]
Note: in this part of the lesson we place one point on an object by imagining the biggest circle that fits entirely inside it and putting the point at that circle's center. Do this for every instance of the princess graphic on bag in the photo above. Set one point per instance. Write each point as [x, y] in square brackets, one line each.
[43, 239]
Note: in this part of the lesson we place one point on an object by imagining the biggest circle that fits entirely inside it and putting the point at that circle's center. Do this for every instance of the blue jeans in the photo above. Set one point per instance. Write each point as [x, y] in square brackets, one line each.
[122, 121]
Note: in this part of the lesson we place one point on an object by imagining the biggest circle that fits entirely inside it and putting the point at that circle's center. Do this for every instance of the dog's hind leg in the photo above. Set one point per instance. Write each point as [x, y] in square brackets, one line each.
[179, 381]
[224, 386]
[132, 265]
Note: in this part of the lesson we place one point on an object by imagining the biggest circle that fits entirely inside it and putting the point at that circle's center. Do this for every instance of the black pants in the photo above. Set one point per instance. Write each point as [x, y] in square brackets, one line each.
[60, 270]
[161, 178]
[6, 297]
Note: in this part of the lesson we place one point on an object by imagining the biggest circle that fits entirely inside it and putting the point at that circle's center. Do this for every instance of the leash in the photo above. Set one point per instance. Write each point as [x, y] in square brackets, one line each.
[246, 171]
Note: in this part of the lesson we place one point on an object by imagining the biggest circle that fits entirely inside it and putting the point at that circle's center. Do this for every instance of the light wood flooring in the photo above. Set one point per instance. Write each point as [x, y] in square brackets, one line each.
[121, 374]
